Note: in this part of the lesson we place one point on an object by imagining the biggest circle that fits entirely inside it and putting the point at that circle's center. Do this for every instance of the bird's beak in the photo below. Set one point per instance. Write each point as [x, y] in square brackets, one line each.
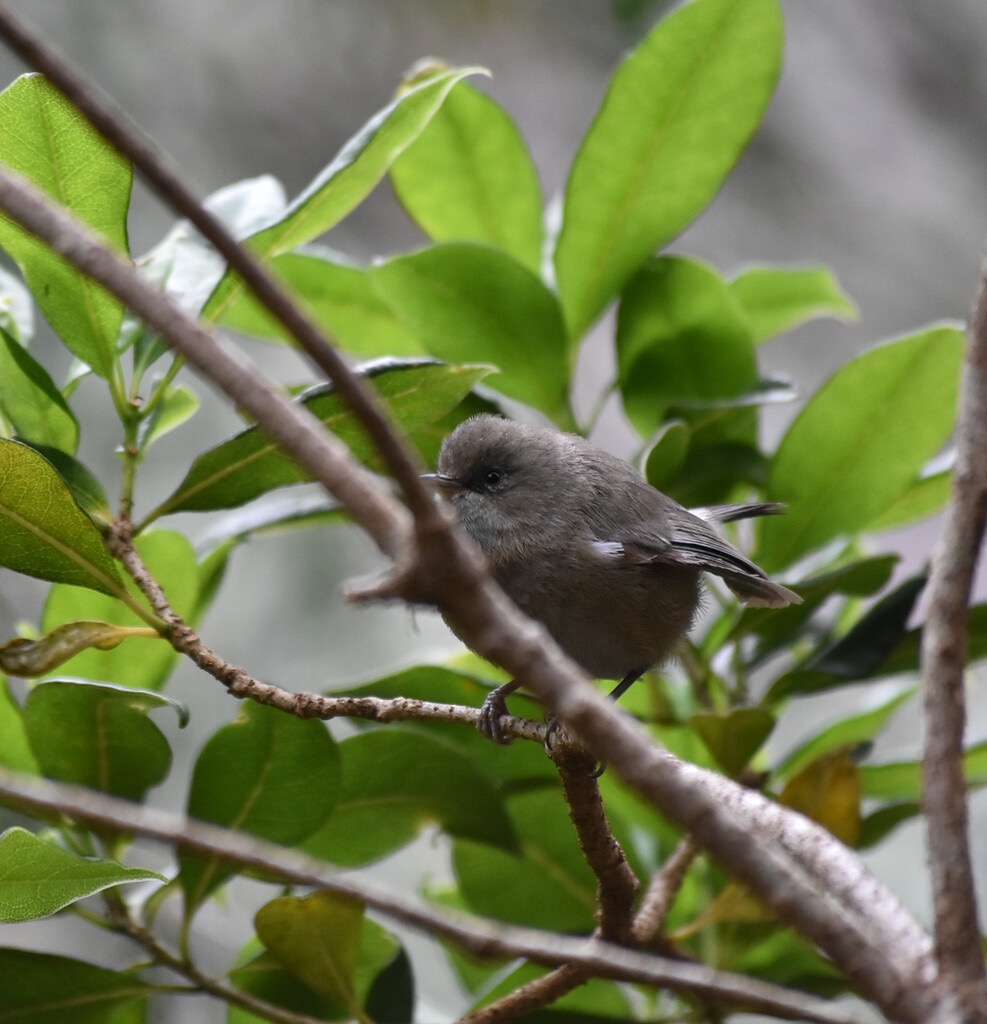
[446, 484]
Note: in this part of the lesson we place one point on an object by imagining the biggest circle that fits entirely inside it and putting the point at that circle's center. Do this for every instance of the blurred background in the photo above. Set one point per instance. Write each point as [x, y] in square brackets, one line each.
[872, 159]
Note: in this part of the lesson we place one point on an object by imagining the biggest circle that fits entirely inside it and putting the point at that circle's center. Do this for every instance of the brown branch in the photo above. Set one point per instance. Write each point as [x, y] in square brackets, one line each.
[944, 656]
[160, 173]
[814, 883]
[477, 936]
[124, 922]
[662, 890]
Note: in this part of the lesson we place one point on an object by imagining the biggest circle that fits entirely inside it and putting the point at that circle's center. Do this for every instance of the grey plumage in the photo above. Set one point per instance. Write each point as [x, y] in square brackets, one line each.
[580, 542]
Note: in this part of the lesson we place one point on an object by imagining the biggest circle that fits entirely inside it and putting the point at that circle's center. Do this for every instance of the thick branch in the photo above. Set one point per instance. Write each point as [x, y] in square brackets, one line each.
[884, 952]
[474, 934]
[944, 656]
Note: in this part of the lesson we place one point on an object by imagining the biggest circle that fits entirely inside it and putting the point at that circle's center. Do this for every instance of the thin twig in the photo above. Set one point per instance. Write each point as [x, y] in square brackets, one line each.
[159, 171]
[798, 870]
[662, 890]
[164, 957]
[944, 655]
[475, 935]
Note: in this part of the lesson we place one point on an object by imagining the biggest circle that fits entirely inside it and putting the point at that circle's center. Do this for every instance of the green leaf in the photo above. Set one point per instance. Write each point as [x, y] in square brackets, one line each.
[31, 402]
[267, 773]
[317, 938]
[177, 406]
[381, 963]
[39, 988]
[677, 115]
[43, 532]
[682, 340]
[38, 879]
[99, 736]
[905, 657]
[665, 455]
[338, 297]
[250, 464]
[45, 138]
[395, 781]
[14, 749]
[40, 657]
[860, 441]
[348, 179]
[548, 885]
[85, 488]
[849, 732]
[467, 301]
[879, 824]
[926, 497]
[858, 654]
[469, 176]
[902, 780]
[777, 299]
[735, 737]
[142, 662]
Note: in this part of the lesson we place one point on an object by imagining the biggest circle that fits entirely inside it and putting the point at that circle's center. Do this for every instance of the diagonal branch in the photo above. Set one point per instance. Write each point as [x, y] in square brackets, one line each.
[474, 934]
[944, 657]
[160, 173]
[796, 868]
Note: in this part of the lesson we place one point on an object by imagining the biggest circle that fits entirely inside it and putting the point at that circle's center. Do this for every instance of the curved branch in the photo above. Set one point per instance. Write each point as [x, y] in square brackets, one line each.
[474, 934]
[944, 657]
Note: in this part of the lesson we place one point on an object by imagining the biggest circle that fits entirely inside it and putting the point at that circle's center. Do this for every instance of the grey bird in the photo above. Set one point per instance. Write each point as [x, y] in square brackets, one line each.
[579, 541]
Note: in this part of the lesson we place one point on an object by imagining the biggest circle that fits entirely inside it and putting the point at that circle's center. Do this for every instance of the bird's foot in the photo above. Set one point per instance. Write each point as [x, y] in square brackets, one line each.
[493, 708]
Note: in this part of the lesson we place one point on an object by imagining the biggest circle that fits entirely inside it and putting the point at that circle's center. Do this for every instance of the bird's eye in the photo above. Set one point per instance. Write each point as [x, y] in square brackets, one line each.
[492, 477]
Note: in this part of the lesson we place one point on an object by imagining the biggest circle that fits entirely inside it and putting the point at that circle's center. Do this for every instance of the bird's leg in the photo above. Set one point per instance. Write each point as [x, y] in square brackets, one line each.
[626, 683]
[495, 705]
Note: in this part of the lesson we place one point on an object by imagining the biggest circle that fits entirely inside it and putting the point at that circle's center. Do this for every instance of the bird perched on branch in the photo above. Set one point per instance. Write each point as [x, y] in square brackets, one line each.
[579, 541]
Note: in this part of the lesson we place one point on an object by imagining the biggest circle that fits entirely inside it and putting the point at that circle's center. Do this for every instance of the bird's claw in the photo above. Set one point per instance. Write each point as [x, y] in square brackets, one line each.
[493, 707]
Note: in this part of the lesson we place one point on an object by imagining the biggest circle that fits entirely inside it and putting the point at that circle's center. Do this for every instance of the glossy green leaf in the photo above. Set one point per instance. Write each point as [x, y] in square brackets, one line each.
[14, 749]
[905, 657]
[902, 780]
[85, 488]
[143, 663]
[339, 297]
[464, 301]
[395, 781]
[468, 681]
[469, 176]
[38, 879]
[677, 115]
[45, 138]
[43, 531]
[31, 402]
[846, 733]
[665, 456]
[381, 964]
[776, 627]
[99, 736]
[777, 299]
[176, 407]
[682, 340]
[860, 441]
[269, 774]
[39, 988]
[249, 464]
[317, 938]
[861, 652]
[547, 885]
[879, 824]
[734, 737]
[926, 497]
[349, 178]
